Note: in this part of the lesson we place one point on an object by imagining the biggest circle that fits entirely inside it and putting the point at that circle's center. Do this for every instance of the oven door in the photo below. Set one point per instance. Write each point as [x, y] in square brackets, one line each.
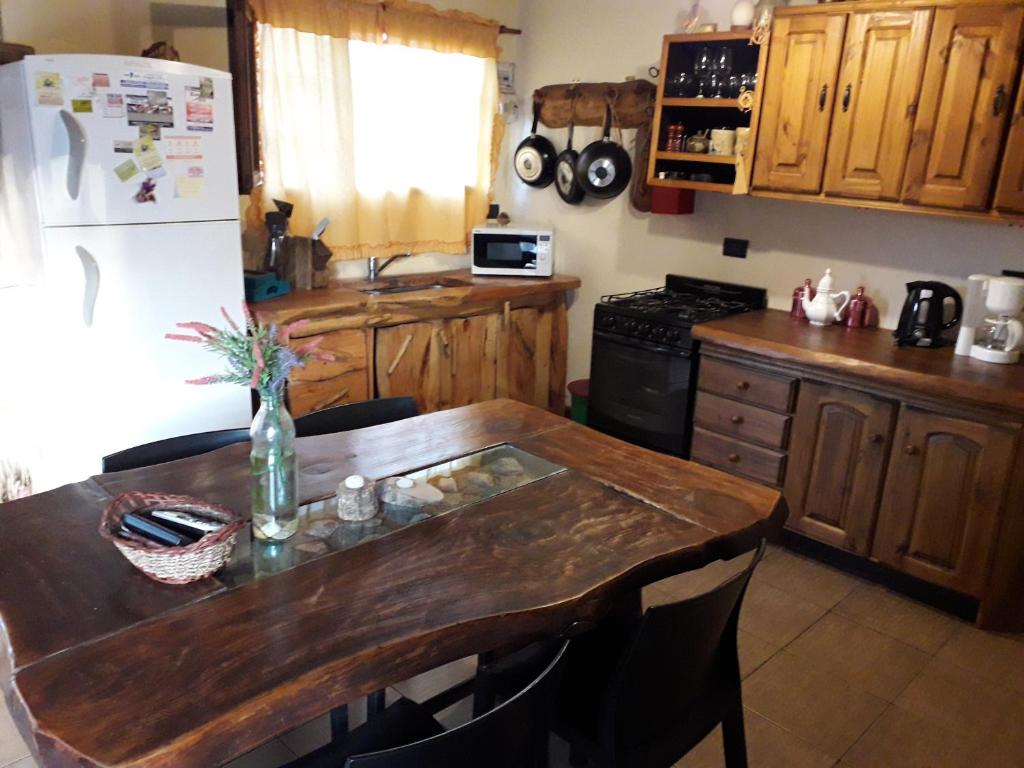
[642, 393]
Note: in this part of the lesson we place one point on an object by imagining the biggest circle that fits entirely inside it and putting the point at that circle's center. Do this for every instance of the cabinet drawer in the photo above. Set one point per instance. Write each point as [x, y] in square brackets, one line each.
[747, 385]
[737, 457]
[747, 422]
[349, 348]
[307, 396]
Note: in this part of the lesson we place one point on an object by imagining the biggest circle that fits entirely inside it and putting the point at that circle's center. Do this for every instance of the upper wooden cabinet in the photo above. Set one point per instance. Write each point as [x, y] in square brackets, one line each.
[965, 100]
[883, 62]
[946, 485]
[796, 107]
[1010, 191]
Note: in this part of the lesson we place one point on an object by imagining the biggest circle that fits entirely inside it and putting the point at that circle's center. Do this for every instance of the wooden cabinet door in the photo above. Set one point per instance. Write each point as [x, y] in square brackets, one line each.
[1010, 190]
[409, 362]
[943, 499]
[838, 449]
[470, 351]
[883, 62]
[799, 89]
[346, 379]
[965, 99]
[524, 355]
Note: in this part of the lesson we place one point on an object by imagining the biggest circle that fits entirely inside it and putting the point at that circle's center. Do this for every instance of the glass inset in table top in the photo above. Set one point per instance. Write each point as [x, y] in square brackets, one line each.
[477, 476]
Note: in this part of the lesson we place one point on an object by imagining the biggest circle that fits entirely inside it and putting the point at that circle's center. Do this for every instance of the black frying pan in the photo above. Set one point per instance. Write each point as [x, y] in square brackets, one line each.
[565, 173]
[604, 167]
[535, 156]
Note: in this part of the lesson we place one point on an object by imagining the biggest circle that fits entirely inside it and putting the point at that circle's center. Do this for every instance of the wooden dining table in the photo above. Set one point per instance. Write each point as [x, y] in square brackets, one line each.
[102, 666]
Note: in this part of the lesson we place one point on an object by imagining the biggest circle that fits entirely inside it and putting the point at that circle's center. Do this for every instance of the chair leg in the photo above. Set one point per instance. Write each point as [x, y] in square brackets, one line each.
[733, 738]
[339, 723]
[375, 704]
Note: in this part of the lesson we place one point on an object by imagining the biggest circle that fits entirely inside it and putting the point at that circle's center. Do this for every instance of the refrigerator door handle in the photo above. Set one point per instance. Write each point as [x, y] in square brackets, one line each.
[76, 154]
[92, 284]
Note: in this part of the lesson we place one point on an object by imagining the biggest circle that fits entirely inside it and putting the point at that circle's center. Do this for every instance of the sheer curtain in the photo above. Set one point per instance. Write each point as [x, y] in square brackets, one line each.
[384, 120]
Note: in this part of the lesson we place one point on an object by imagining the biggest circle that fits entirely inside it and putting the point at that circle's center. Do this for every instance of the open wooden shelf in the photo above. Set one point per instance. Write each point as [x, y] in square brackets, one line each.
[709, 102]
[697, 157]
[703, 186]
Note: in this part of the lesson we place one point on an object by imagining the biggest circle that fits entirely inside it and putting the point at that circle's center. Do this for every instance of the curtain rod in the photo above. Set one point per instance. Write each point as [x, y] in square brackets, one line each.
[503, 30]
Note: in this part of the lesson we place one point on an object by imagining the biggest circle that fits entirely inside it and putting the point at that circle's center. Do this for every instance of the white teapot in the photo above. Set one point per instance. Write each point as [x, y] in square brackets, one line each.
[822, 310]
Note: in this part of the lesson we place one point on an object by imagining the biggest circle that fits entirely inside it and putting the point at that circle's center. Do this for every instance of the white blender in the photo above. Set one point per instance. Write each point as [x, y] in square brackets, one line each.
[995, 337]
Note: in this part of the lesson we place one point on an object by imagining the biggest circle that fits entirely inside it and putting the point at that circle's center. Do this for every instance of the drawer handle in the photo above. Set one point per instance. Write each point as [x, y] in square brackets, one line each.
[822, 96]
[876, 438]
[736, 419]
[734, 458]
[911, 450]
[743, 385]
[999, 101]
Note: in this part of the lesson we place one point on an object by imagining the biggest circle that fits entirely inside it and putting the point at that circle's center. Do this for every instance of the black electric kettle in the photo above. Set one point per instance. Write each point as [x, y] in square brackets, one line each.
[924, 314]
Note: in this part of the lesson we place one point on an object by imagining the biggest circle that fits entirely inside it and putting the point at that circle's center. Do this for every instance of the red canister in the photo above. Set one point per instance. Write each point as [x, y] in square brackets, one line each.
[797, 308]
[858, 313]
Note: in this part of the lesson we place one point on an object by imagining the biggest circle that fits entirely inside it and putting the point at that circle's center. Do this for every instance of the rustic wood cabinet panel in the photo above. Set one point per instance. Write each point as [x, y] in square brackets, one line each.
[965, 100]
[323, 384]
[946, 484]
[409, 359]
[838, 453]
[799, 91]
[524, 352]
[470, 347]
[1010, 190]
[883, 63]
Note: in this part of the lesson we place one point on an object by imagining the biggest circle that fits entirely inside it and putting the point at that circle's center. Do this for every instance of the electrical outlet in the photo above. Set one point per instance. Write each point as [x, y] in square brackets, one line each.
[733, 246]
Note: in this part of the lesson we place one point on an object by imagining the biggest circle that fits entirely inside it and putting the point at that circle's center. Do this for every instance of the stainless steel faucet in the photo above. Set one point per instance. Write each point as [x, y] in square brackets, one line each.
[373, 269]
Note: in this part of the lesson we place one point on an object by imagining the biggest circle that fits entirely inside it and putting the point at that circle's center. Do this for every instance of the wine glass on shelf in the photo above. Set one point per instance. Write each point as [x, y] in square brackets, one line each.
[702, 66]
[721, 68]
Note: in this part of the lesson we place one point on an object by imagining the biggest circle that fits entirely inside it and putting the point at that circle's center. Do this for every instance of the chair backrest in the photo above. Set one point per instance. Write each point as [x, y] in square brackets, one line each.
[367, 413]
[679, 671]
[512, 735]
[172, 448]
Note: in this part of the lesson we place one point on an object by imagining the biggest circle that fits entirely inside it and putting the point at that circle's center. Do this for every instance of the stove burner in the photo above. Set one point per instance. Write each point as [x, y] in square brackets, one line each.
[675, 307]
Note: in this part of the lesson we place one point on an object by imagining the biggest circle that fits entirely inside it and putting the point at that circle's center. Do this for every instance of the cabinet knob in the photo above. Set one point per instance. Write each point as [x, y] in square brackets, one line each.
[999, 101]
[736, 419]
[822, 97]
[876, 438]
[734, 458]
[743, 385]
[846, 97]
[911, 450]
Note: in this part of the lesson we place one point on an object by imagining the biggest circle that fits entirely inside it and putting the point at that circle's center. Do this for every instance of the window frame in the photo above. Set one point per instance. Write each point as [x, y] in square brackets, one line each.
[242, 62]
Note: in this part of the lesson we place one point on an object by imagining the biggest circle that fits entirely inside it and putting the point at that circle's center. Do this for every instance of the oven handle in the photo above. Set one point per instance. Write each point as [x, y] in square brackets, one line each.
[629, 341]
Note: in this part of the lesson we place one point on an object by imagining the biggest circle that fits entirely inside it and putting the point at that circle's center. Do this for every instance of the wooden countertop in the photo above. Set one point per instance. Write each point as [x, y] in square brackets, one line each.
[869, 354]
[344, 298]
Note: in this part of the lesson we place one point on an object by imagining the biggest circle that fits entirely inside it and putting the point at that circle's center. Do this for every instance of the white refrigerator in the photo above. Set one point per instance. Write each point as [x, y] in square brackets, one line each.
[119, 217]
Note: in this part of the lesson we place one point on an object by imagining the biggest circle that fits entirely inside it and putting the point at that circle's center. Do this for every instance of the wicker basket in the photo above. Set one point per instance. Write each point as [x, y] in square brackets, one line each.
[173, 565]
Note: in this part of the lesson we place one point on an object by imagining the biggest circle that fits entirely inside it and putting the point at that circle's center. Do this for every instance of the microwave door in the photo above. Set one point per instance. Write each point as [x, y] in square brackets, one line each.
[512, 252]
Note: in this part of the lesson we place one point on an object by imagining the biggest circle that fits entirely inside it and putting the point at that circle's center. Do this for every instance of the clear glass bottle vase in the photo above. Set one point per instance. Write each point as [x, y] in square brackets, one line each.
[274, 469]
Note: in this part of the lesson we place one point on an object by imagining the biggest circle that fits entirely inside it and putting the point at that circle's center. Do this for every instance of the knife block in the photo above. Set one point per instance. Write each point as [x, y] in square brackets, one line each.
[304, 263]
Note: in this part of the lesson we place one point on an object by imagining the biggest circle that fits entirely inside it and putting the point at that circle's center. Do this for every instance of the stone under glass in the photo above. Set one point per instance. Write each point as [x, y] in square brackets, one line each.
[477, 476]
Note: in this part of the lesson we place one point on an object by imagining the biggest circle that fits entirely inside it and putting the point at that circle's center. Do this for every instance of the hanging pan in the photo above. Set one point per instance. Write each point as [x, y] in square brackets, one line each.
[535, 156]
[565, 169]
[604, 167]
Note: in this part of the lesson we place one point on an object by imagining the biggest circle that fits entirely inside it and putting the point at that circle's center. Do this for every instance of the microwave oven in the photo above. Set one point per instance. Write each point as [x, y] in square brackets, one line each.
[518, 251]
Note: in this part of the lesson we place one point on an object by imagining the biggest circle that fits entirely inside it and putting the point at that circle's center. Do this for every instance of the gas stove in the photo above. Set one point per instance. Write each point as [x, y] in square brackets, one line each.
[664, 316]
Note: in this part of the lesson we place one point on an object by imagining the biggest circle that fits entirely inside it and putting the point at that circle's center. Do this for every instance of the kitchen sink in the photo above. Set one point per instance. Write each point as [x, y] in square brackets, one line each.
[410, 283]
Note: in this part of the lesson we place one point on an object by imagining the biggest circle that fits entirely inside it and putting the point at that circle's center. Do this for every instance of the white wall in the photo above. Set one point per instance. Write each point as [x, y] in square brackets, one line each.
[613, 248]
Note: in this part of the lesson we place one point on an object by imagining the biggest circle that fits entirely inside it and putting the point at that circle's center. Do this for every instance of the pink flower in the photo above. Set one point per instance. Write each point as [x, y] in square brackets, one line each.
[309, 346]
[247, 314]
[204, 330]
[204, 380]
[183, 337]
[232, 323]
[260, 365]
[289, 329]
[327, 357]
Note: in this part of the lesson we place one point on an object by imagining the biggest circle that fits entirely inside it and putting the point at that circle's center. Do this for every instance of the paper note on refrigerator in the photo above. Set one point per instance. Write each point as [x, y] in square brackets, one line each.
[189, 186]
[147, 154]
[126, 170]
[49, 91]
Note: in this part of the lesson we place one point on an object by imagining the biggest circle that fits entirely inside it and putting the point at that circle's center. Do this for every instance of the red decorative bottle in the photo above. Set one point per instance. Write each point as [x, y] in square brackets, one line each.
[858, 313]
[797, 308]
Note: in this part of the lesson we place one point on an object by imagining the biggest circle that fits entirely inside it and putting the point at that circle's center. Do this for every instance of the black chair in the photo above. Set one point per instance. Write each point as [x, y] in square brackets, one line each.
[367, 413]
[512, 735]
[172, 448]
[642, 693]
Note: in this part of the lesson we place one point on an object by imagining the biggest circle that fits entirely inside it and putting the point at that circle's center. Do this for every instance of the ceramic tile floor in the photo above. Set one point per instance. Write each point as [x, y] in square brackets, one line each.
[838, 673]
